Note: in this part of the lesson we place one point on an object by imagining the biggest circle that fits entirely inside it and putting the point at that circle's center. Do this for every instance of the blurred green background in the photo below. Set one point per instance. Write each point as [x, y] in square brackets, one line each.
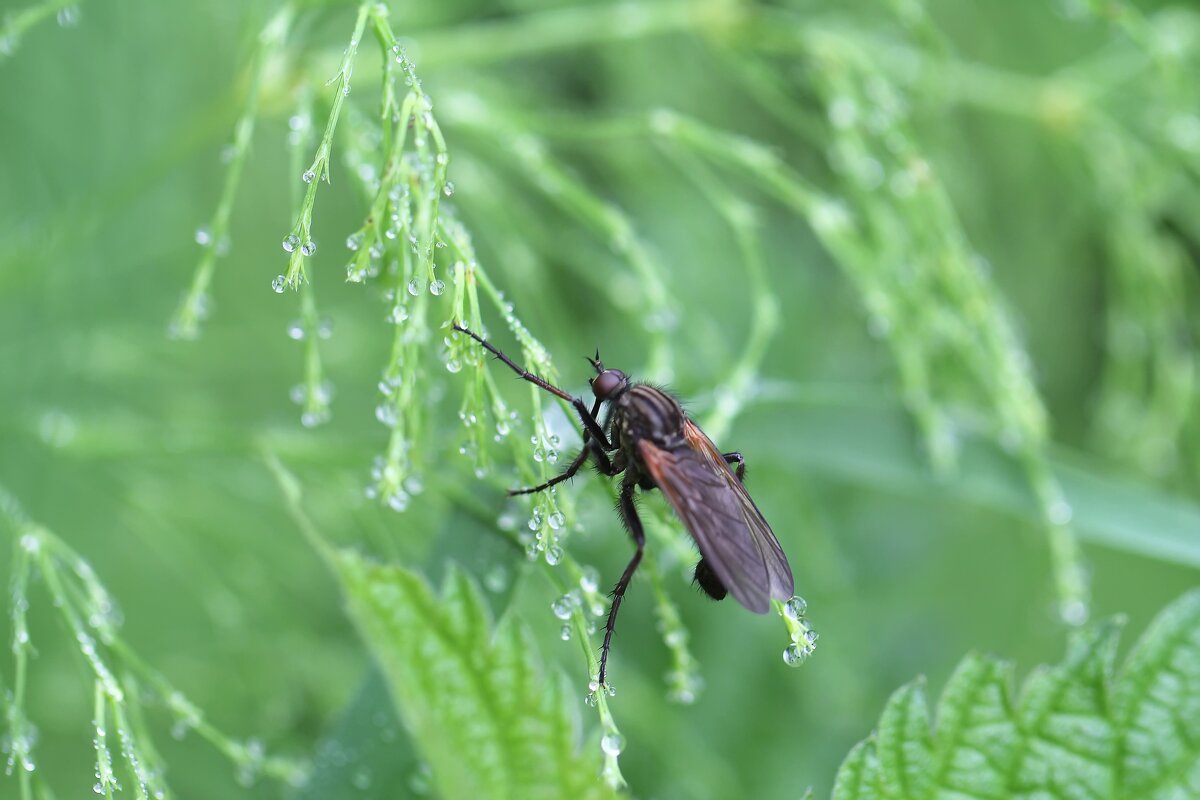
[1069, 161]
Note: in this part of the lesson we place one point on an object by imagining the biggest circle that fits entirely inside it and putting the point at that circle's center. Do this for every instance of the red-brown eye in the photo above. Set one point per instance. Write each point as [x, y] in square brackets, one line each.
[608, 382]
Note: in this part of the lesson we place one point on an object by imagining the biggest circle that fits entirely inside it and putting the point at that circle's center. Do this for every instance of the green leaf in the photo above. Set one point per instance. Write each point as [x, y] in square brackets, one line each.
[487, 717]
[1157, 707]
[1072, 733]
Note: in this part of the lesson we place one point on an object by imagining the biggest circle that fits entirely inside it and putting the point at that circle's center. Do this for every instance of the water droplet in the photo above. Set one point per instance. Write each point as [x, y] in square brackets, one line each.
[539, 454]
[414, 287]
[555, 520]
[554, 555]
[397, 500]
[843, 112]
[589, 580]
[308, 248]
[566, 633]
[829, 216]
[278, 283]
[290, 242]
[563, 606]
[295, 330]
[1074, 612]
[56, 429]
[448, 189]
[311, 419]
[204, 236]
[386, 414]
[794, 609]
[355, 240]
[453, 365]
[612, 744]
[1060, 512]
[414, 484]
[794, 655]
[1184, 131]
[437, 287]
[68, 16]
[308, 176]
[421, 781]
[551, 455]
[869, 173]
[496, 579]
[810, 637]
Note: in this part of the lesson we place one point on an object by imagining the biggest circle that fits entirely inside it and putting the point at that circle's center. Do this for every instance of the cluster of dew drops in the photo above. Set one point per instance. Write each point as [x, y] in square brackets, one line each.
[584, 597]
[804, 638]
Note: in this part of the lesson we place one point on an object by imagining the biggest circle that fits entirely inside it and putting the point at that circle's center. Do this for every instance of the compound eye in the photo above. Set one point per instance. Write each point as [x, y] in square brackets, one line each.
[607, 382]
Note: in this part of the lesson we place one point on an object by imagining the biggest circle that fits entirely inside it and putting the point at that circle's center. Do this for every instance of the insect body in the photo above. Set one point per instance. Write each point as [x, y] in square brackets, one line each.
[645, 436]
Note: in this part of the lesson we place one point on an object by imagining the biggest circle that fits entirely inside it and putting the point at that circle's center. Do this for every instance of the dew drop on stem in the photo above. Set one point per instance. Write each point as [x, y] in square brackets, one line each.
[794, 655]
[795, 608]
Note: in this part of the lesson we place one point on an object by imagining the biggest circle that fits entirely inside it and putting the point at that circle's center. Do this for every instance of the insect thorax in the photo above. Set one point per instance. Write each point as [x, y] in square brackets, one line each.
[644, 412]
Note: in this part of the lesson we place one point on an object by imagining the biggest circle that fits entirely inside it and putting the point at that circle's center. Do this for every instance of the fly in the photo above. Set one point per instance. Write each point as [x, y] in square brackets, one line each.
[645, 436]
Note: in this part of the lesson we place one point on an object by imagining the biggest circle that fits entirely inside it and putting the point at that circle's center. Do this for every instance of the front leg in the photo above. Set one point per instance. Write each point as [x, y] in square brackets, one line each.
[589, 420]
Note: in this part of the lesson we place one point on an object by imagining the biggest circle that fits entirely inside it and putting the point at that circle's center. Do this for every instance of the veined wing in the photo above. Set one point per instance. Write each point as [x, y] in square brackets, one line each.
[730, 531]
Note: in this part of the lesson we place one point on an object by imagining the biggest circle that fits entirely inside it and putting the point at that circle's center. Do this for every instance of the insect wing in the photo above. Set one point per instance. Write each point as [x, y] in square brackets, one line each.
[782, 583]
[732, 535]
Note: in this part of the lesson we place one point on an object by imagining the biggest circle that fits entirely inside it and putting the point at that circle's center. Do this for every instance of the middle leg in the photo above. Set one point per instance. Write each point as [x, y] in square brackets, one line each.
[736, 458]
[634, 523]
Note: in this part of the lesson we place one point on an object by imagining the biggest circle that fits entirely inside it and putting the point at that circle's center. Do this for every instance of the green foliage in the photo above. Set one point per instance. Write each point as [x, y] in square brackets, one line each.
[491, 720]
[1075, 730]
[931, 266]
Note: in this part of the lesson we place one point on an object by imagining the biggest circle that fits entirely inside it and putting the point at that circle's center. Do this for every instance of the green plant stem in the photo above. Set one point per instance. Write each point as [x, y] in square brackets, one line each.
[192, 310]
[736, 388]
[105, 778]
[600, 694]
[541, 32]
[20, 744]
[300, 237]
